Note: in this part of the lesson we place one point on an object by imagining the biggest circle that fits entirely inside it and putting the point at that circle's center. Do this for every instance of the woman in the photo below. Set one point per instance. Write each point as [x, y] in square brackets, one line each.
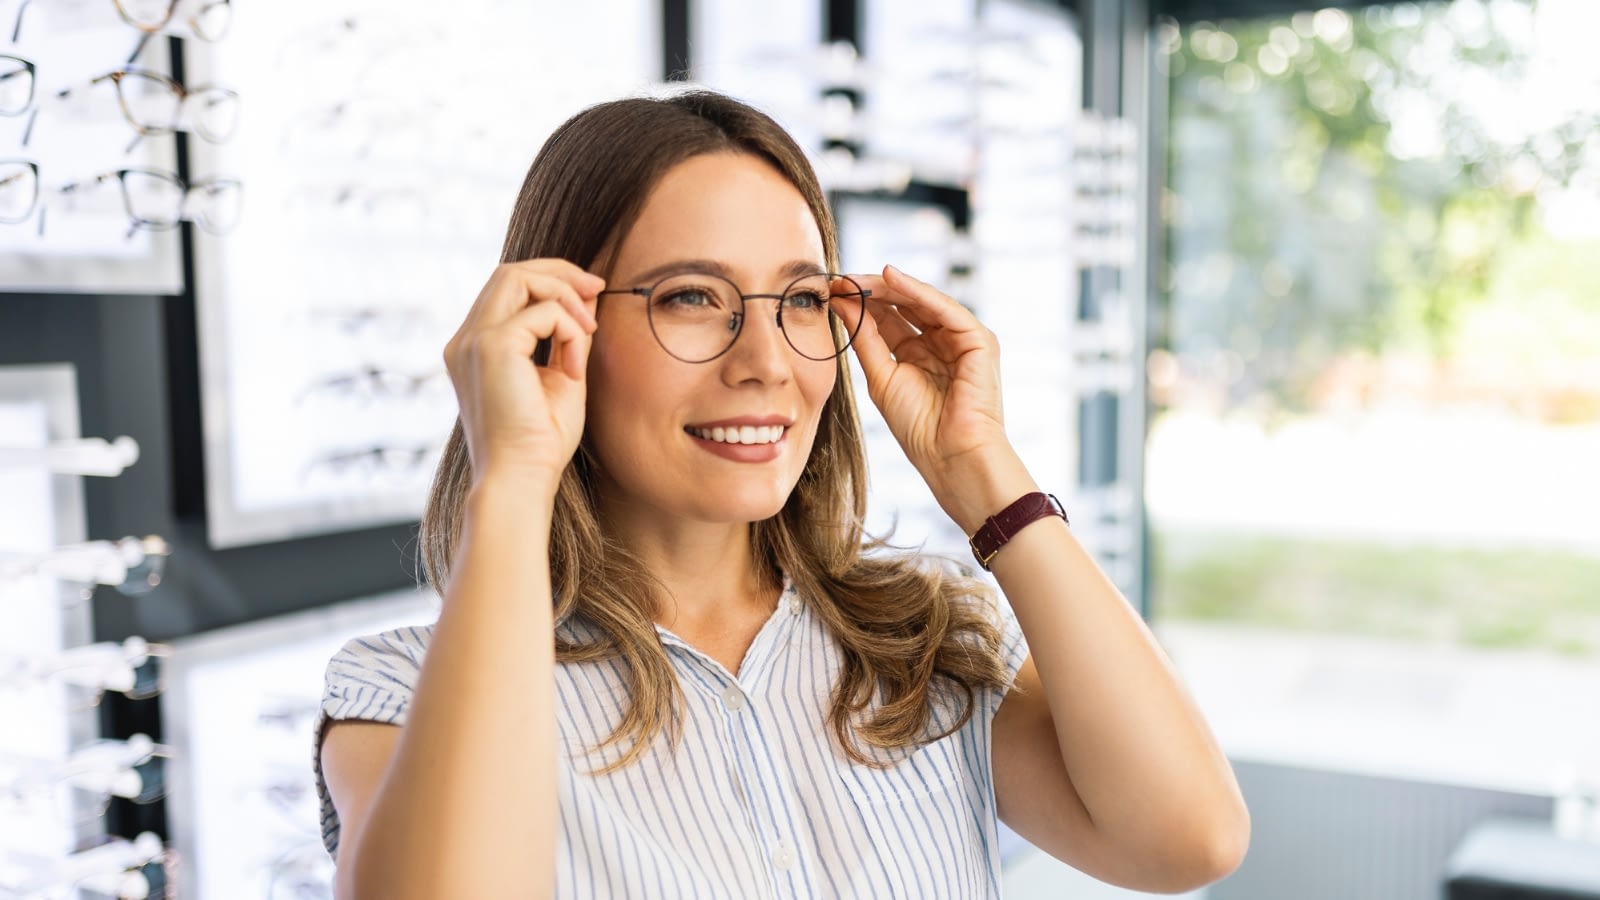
[738, 702]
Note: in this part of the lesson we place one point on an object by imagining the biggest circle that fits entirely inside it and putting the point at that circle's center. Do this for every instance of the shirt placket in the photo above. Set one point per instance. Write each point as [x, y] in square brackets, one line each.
[765, 786]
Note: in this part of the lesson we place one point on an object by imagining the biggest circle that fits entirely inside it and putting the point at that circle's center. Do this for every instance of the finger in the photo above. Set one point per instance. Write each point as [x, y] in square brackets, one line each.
[513, 341]
[517, 291]
[928, 307]
[586, 283]
[513, 286]
[894, 327]
[876, 356]
[885, 297]
[555, 325]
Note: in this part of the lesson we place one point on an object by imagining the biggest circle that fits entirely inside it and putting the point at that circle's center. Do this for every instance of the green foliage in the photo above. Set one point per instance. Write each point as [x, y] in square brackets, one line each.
[1334, 187]
[1501, 598]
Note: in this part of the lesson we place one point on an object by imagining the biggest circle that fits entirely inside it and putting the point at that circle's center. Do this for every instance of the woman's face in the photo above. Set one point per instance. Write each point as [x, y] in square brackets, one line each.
[662, 429]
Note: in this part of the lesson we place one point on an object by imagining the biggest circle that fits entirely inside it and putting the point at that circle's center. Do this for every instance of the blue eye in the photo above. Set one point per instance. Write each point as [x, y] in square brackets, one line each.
[692, 297]
[806, 299]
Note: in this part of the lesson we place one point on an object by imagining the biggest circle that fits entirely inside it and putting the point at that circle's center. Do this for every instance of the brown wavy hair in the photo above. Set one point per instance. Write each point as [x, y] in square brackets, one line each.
[918, 640]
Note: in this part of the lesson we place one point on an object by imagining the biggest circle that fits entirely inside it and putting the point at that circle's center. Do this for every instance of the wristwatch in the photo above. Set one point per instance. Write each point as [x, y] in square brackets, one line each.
[1001, 527]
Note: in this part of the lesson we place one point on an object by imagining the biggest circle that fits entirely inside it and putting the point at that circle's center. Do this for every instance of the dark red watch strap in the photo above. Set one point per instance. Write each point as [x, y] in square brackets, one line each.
[1001, 527]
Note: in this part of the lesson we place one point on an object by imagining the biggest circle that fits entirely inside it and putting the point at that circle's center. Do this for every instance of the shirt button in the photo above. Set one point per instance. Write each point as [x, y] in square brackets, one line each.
[733, 699]
[783, 856]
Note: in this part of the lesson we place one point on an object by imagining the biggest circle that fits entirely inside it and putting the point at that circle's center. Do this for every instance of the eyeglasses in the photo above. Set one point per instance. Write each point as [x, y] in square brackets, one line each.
[381, 463]
[208, 20]
[132, 565]
[134, 769]
[156, 104]
[131, 668]
[696, 316]
[160, 200]
[74, 456]
[116, 867]
[371, 382]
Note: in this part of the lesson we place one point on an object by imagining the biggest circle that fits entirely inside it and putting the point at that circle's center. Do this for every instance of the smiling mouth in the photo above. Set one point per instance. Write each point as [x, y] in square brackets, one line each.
[743, 434]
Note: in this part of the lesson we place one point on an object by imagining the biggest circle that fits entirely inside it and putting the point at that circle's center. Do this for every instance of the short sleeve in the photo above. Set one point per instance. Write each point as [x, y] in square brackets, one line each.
[371, 679]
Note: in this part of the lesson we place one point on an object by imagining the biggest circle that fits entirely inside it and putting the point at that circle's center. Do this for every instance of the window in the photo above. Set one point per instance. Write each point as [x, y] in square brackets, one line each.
[1376, 378]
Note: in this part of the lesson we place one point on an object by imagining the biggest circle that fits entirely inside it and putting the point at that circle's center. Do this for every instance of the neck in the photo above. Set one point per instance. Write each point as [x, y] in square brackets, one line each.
[708, 568]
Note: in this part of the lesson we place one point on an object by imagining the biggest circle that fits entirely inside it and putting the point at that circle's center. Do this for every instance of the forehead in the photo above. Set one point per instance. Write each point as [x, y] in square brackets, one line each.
[734, 208]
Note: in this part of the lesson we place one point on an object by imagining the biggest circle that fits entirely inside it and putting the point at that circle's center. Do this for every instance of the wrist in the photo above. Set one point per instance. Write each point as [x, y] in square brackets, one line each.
[515, 491]
[984, 487]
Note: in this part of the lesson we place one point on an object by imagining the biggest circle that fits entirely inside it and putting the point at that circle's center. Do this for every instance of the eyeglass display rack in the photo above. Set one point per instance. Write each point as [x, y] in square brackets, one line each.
[239, 710]
[57, 775]
[383, 165]
[91, 191]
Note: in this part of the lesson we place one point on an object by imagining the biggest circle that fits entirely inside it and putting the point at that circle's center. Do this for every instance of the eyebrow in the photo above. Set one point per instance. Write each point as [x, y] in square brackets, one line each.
[792, 269]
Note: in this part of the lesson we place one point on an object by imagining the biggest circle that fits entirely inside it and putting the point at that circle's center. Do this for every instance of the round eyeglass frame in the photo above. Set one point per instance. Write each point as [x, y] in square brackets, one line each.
[860, 293]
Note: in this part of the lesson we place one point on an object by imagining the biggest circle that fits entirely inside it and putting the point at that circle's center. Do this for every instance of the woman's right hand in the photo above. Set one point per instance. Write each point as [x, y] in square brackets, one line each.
[519, 418]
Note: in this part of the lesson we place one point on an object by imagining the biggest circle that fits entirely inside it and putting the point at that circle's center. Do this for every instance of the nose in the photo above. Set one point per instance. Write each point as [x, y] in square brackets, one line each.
[760, 351]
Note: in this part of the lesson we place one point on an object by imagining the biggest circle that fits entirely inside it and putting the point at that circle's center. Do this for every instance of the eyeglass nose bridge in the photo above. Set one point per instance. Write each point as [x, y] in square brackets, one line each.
[737, 319]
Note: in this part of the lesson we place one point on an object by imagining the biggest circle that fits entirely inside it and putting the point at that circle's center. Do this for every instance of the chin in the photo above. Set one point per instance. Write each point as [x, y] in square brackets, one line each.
[748, 506]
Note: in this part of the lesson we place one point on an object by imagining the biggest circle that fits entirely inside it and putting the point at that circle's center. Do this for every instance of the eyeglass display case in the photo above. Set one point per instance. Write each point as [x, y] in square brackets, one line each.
[90, 197]
[239, 711]
[57, 778]
[384, 146]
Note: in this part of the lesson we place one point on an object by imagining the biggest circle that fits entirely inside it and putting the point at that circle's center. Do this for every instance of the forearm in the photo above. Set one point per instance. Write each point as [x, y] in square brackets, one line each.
[1141, 758]
[468, 806]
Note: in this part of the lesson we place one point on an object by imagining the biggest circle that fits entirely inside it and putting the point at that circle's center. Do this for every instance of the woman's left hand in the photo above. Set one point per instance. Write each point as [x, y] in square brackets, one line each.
[933, 370]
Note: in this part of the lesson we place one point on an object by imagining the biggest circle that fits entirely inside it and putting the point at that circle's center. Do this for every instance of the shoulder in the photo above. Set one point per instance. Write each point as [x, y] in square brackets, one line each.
[387, 662]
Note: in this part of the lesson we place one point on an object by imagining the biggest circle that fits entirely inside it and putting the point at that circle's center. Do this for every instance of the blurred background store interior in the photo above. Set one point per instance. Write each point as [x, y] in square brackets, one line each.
[1300, 318]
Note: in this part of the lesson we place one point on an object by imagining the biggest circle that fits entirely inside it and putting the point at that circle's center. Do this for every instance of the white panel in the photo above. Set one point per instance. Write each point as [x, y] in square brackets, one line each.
[240, 707]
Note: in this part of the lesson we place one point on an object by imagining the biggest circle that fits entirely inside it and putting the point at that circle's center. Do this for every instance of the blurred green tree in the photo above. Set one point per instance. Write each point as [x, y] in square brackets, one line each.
[1341, 182]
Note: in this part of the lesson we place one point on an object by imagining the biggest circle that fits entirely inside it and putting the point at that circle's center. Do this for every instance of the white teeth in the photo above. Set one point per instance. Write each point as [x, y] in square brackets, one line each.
[744, 434]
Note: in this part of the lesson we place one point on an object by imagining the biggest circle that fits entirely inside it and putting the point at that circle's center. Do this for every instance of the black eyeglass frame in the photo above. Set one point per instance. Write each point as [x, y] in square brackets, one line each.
[209, 185]
[25, 68]
[738, 319]
[28, 169]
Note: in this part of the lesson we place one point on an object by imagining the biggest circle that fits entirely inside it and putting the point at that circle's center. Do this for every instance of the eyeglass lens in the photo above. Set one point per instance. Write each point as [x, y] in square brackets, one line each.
[19, 190]
[16, 85]
[155, 104]
[697, 316]
[147, 15]
[149, 101]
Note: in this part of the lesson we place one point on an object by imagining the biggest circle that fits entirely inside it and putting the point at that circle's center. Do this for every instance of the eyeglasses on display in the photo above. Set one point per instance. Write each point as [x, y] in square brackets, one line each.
[158, 200]
[206, 20]
[132, 565]
[132, 668]
[155, 104]
[77, 456]
[134, 769]
[138, 869]
[696, 316]
[371, 463]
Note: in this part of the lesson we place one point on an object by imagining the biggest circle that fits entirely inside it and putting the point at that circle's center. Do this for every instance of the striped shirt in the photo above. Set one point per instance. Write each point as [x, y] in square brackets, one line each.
[757, 801]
